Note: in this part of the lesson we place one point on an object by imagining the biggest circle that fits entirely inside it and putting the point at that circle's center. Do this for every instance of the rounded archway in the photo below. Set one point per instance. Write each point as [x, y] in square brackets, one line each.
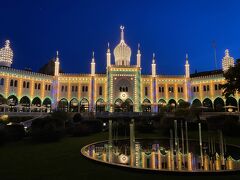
[218, 104]
[25, 102]
[63, 105]
[127, 105]
[74, 105]
[84, 105]
[146, 105]
[36, 104]
[100, 106]
[13, 102]
[47, 103]
[118, 105]
[207, 104]
[3, 103]
[196, 103]
[231, 103]
[161, 105]
[172, 104]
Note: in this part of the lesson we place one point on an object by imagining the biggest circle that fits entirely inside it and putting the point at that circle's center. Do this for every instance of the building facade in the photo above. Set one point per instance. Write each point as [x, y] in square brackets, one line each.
[121, 88]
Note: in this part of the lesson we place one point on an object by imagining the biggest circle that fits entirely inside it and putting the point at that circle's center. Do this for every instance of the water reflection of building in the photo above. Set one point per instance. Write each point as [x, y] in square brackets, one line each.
[122, 88]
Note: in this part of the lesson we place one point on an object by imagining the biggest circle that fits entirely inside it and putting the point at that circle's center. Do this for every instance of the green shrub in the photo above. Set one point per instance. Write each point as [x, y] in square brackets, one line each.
[14, 132]
[87, 127]
[48, 129]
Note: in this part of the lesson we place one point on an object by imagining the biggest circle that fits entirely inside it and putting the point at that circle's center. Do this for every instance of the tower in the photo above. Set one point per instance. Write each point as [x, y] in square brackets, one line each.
[227, 61]
[56, 65]
[187, 68]
[93, 66]
[153, 66]
[138, 56]
[6, 55]
[108, 54]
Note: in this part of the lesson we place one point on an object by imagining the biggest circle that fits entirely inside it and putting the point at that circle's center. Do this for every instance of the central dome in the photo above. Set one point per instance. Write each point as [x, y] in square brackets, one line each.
[122, 52]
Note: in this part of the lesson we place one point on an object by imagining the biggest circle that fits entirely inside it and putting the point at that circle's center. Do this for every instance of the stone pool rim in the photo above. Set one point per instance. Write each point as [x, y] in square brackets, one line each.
[156, 171]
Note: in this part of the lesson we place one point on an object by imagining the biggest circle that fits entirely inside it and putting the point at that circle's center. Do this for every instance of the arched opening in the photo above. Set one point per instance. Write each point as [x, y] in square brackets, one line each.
[118, 105]
[84, 105]
[3, 103]
[146, 105]
[196, 103]
[231, 104]
[172, 104]
[127, 106]
[74, 105]
[161, 105]
[36, 104]
[13, 102]
[218, 104]
[47, 103]
[25, 103]
[100, 106]
[207, 104]
[63, 105]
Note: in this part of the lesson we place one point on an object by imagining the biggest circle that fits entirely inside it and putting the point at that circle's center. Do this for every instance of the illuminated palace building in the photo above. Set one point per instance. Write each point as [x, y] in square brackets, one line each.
[121, 88]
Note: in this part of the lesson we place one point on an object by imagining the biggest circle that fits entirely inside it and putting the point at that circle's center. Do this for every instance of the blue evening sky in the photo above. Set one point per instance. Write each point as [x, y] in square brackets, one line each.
[170, 28]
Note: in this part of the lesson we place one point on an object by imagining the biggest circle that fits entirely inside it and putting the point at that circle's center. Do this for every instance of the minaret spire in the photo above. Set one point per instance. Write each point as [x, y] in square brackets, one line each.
[93, 58]
[153, 60]
[56, 65]
[122, 33]
[57, 56]
[154, 70]
[138, 56]
[187, 67]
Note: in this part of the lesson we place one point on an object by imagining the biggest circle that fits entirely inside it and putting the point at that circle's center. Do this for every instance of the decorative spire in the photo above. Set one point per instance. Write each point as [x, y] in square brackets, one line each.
[7, 43]
[122, 33]
[153, 60]
[226, 53]
[139, 48]
[186, 58]
[93, 58]
[57, 56]
[108, 49]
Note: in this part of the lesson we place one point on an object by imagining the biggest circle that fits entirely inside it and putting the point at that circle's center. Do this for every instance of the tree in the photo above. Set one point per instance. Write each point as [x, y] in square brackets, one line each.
[232, 77]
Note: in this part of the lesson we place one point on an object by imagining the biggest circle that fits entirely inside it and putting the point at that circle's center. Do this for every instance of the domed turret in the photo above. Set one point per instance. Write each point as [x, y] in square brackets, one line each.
[122, 52]
[6, 55]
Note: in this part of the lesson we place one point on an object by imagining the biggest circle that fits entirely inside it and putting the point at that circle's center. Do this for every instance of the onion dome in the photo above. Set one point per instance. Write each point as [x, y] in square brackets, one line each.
[122, 51]
[6, 55]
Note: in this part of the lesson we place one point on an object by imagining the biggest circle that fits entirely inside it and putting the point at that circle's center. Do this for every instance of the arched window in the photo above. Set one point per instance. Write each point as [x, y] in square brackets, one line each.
[24, 84]
[2, 82]
[15, 83]
[46, 87]
[76, 89]
[27, 84]
[100, 90]
[65, 88]
[39, 86]
[49, 87]
[11, 83]
[35, 85]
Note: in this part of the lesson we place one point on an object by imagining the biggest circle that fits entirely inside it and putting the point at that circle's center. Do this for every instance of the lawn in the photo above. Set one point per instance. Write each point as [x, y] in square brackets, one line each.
[62, 160]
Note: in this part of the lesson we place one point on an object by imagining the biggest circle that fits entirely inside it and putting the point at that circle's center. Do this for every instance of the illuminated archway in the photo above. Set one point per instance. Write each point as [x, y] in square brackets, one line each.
[231, 101]
[207, 103]
[84, 105]
[25, 102]
[74, 105]
[146, 105]
[63, 105]
[218, 104]
[118, 105]
[100, 106]
[196, 103]
[13, 102]
[161, 105]
[47, 103]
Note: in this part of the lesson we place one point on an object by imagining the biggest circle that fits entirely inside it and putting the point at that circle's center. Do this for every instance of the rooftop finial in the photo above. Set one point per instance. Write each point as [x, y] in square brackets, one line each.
[153, 60]
[93, 58]
[227, 53]
[122, 33]
[7, 43]
[108, 49]
[57, 56]
[186, 56]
